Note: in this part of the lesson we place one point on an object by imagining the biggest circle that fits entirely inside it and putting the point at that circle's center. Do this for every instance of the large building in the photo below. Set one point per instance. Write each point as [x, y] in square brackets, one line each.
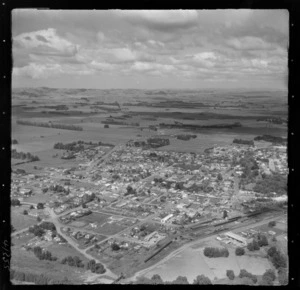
[237, 238]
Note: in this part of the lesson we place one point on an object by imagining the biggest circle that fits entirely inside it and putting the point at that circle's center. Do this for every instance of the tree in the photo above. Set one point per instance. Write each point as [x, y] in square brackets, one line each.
[181, 280]
[269, 276]
[202, 280]
[31, 207]
[39, 219]
[106, 126]
[230, 274]
[225, 214]
[272, 251]
[40, 205]
[220, 177]
[239, 251]
[282, 276]
[115, 247]
[262, 240]
[25, 212]
[15, 202]
[156, 279]
[272, 224]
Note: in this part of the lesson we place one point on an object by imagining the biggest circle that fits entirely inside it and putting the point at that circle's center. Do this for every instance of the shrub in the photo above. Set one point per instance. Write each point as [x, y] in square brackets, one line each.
[202, 280]
[246, 274]
[272, 224]
[216, 252]
[25, 212]
[239, 251]
[230, 274]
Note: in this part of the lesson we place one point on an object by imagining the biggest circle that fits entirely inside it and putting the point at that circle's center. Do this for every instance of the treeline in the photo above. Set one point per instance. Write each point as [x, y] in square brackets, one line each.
[50, 125]
[195, 127]
[57, 107]
[272, 120]
[74, 146]
[212, 252]
[155, 142]
[73, 261]
[243, 142]
[39, 279]
[180, 280]
[79, 145]
[246, 274]
[186, 137]
[43, 255]
[23, 156]
[270, 138]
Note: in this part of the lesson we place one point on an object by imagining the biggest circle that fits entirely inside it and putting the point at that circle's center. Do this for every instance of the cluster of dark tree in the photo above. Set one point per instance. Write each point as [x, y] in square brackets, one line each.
[270, 138]
[268, 277]
[246, 274]
[151, 127]
[73, 261]
[115, 247]
[95, 267]
[272, 120]
[39, 279]
[15, 202]
[180, 280]
[230, 274]
[50, 125]
[277, 258]
[271, 183]
[239, 251]
[186, 137]
[40, 205]
[212, 252]
[19, 171]
[113, 122]
[272, 224]
[195, 127]
[259, 241]
[43, 255]
[249, 165]
[57, 107]
[244, 142]
[14, 141]
[74, 146]
[39, 230]
[57, 188]
[156, 142]
[130, 190]
[23, 156]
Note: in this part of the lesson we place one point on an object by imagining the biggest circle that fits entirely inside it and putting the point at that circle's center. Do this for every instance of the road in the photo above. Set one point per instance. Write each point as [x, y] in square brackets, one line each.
[207, 237]
[54, 219]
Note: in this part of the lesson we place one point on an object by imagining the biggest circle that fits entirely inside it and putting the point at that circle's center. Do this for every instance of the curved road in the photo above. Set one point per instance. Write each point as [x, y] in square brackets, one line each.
[53, 219]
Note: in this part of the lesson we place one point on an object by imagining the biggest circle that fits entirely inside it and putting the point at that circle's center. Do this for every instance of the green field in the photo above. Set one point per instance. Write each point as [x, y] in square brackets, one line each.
[24, 261]
[19, 220]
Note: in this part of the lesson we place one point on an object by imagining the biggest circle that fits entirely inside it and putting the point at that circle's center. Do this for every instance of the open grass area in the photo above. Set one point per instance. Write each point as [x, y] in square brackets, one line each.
[98, 218]
[26, 261]
[19, 220]
[62, 251]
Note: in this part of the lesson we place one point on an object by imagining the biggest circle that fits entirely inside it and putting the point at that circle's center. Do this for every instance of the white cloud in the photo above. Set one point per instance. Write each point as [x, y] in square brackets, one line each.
[249, 43]
[160, 18]
[45, 42]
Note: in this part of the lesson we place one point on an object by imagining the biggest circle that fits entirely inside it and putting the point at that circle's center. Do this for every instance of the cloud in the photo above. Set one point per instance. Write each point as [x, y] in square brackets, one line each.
[249, 43]
[160, 19]
[45, 42]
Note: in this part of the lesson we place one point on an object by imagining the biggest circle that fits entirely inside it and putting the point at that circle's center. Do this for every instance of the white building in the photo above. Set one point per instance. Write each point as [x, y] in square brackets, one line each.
[165, 219]
[237, 238]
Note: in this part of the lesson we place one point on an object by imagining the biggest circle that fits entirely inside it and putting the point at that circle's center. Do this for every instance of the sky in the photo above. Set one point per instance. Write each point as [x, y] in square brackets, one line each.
[150, 49]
